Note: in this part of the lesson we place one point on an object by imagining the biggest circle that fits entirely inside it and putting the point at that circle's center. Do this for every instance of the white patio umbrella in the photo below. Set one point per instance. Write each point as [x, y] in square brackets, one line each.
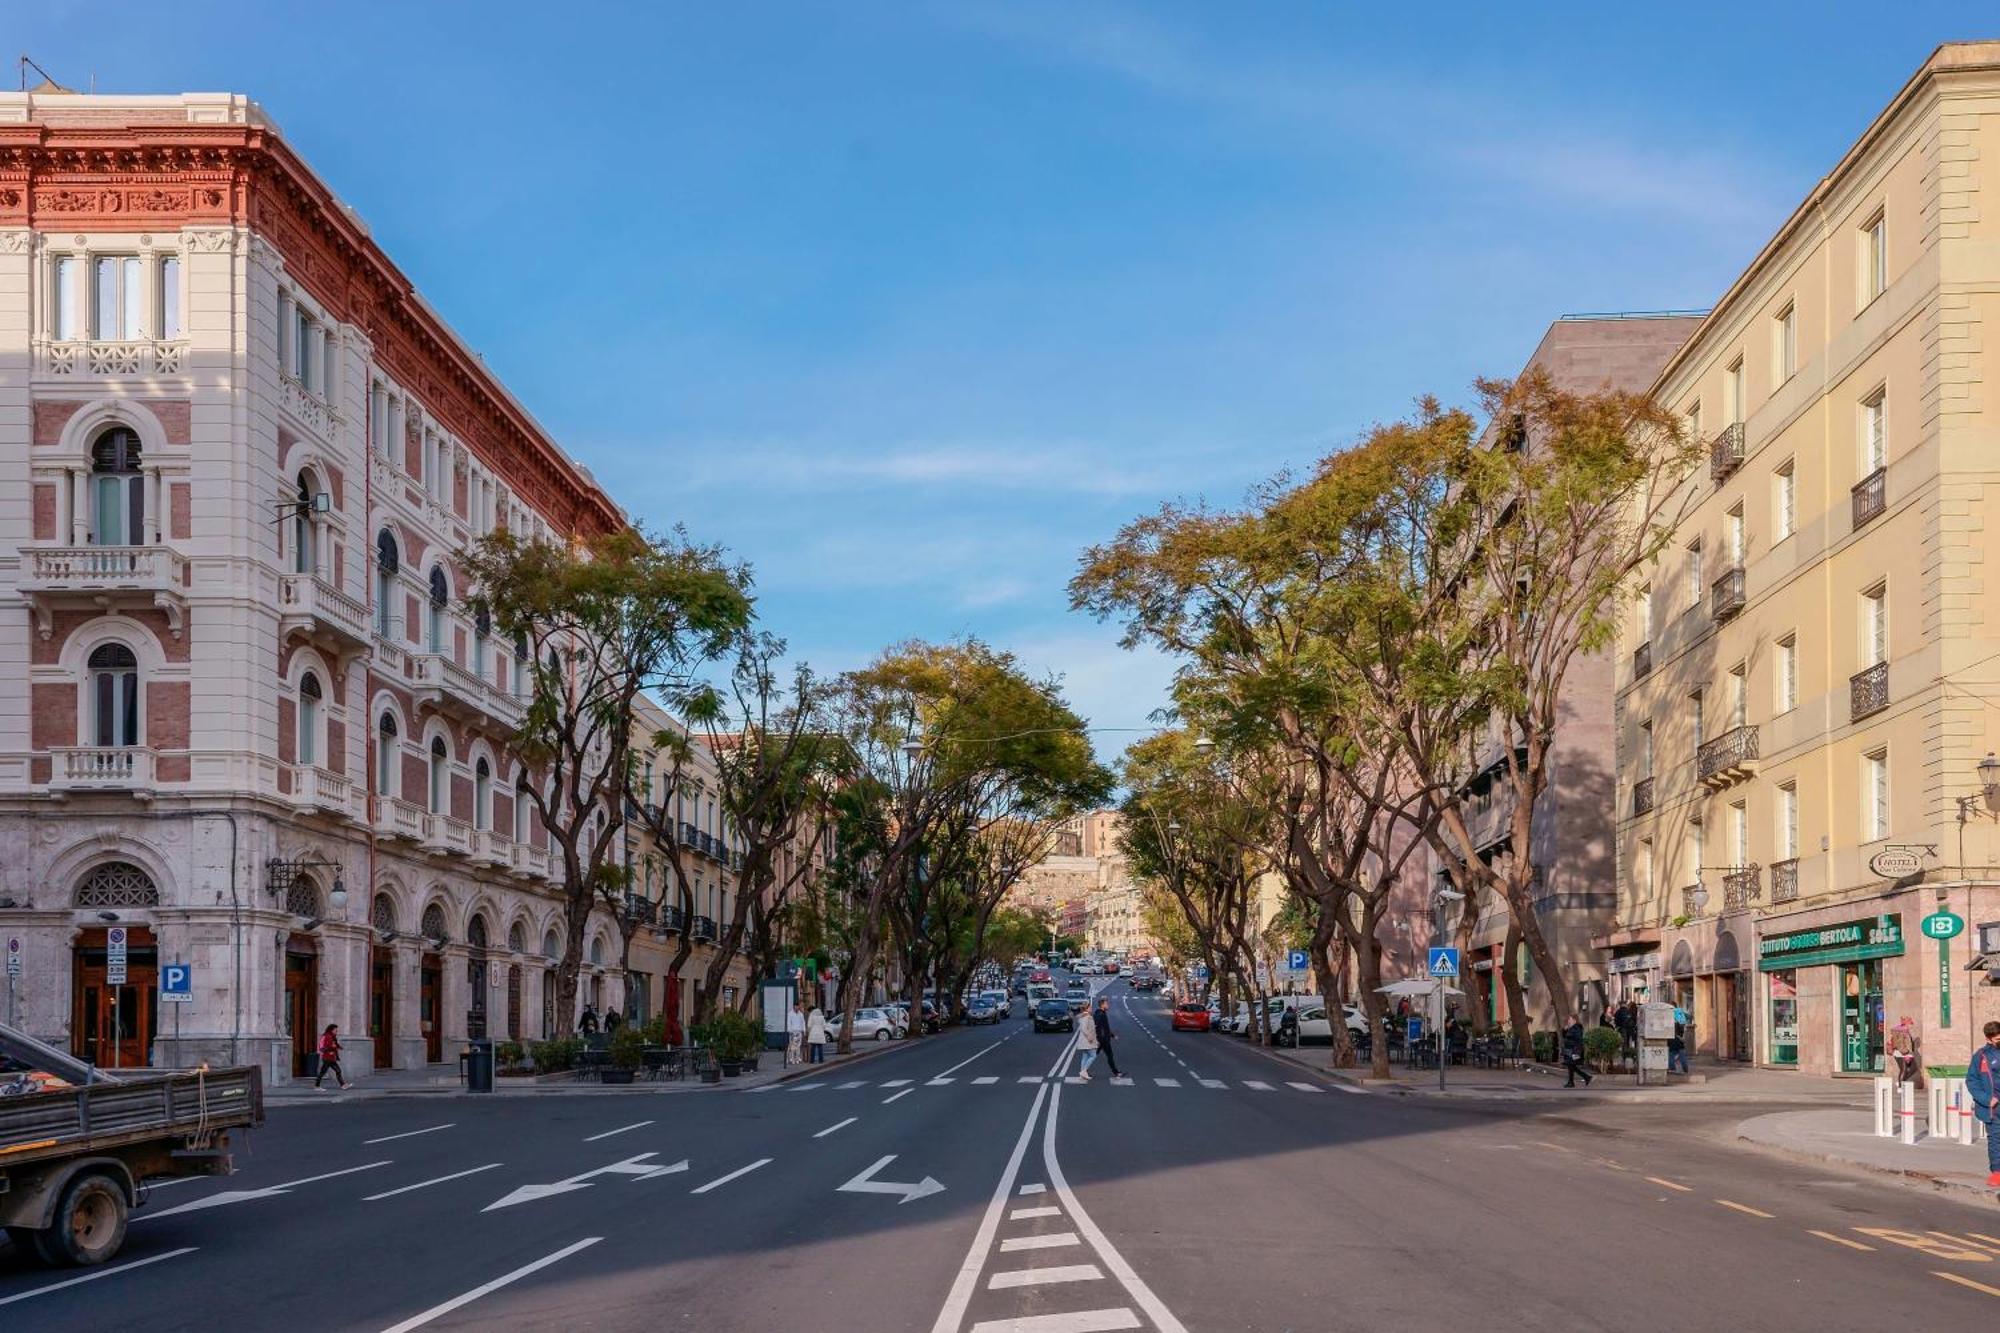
[1415, 988]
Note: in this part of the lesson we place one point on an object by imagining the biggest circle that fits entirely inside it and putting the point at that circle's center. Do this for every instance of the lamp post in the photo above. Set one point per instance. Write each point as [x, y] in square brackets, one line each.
[1982, 804]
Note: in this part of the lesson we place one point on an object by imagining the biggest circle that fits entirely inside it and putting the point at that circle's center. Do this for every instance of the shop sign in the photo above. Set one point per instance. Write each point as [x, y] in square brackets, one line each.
[1849, 941]
[1942, 925]
[1896, 862]
[1638, 962]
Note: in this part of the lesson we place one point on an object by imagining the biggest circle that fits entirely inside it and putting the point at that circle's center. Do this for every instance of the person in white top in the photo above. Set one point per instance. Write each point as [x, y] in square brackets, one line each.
[1086, 1045]
[795, 1032]
[816, 1035]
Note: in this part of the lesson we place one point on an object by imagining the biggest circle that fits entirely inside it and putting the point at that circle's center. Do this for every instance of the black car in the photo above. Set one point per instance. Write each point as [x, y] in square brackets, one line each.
[1054, 1016]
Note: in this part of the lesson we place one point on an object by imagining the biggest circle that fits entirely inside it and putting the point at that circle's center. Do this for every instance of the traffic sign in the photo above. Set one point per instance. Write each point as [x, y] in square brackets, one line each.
[1444, 962]
[177, 983]
[13, 955]
[1942, 925]
[114, 972]
[114, 944]
[1298, 960]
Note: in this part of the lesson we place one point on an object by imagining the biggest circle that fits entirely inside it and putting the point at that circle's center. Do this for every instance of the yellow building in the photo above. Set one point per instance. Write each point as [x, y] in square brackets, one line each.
[1807, 679]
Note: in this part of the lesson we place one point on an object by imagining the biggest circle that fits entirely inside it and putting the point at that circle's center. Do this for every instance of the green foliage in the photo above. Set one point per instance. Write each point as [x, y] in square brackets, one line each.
[732, 1036]
[509, 1055]
[1544, 1046]
[552, 1057]
[627, 1044]
[1602, 1047]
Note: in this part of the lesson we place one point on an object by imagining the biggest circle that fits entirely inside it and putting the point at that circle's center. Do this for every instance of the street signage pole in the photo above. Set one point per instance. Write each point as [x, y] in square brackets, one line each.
[13, 970]
[1942, 926]
[1443, 968]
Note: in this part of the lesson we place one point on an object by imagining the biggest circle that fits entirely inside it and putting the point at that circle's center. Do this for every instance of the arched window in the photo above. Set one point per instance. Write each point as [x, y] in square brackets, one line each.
[440, 597]
[517, 939]
[114, 695]
[440, 775]
[475, 931]
[597, 951]
[383, 917]
[433, 924]
[482, 795]
[482, 629]
[551, 947]
[387, 767]
[304, 556]
[521, 672]
[309, 708]
[117, 489]
[117, 884]
[387, 562]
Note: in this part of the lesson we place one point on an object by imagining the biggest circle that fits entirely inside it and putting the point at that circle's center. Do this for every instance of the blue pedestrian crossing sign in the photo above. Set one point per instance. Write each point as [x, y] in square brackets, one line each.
[1444, 962]
[1298, 960]
[176, 982]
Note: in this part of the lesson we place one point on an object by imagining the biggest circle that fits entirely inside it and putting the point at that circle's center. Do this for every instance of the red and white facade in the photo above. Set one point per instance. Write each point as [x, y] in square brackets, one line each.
[238, 454]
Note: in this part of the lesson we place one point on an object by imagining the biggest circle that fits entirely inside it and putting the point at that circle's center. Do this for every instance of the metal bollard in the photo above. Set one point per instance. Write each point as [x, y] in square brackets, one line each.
[1935, 1107]
[1885, 1107]
[1906, 1114]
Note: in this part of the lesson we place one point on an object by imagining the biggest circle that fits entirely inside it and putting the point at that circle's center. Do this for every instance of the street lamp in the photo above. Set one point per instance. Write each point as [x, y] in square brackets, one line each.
[1981, 804]
[1203, 746]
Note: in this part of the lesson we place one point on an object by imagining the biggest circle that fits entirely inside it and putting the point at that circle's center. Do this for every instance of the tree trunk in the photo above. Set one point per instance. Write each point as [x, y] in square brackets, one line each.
[1517, 996]
[1368, 959]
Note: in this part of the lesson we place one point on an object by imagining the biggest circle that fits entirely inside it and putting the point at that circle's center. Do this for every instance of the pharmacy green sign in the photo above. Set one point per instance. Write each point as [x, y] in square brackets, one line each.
[1849, 941]
[1942, 925]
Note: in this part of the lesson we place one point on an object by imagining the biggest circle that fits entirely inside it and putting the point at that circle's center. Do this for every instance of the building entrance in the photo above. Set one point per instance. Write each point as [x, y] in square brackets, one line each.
[114, 1025]
[1861, 1017]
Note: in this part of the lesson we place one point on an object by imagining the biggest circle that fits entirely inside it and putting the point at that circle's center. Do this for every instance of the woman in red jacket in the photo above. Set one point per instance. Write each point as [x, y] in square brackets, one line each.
[329, 1056]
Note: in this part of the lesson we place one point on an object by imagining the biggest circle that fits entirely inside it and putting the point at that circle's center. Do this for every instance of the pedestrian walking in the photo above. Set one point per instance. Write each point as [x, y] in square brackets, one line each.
[795, 1032]
[1906, 1048]
[1982, 1086]
[816, 1035]
[1100, 1023]
[1572, 1052]
[612, 1019]
[329, 1056]
[1677, 1049]
[587, 1025]
[1086, 1046]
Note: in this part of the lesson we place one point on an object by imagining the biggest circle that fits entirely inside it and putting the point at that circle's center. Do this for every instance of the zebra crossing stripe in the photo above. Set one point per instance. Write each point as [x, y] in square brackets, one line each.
[1304, 1087]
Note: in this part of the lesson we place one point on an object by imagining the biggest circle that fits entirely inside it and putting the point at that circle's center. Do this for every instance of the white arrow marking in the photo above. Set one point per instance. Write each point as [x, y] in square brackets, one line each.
[862, 1184]
[245, 1196]
[630, 1166]
[677, 1167]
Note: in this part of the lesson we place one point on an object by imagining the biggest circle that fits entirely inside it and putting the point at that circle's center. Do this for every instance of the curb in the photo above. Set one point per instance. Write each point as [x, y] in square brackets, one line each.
[1908, 1177]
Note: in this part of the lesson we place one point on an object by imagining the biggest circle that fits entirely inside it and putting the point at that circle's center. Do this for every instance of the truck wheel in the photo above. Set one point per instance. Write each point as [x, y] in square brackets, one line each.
[34, 1244]
[90, 1221]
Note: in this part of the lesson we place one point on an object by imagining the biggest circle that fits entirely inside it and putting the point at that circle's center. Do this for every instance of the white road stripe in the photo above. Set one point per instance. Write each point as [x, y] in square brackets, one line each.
[1041, 1277]
[407, 1134]
[804, 1087]
[437, 1180]
[637, 1124]
[967, 1281]
[857, 1083]
[724, 1180]
[1031, 1189]
[1072, 1078]
[309, 1180]
[418, 1321]
[1304, 1087]
[1212, 1083]
[1258, 1084]
[1135, 1286]
[1168, 1082]
[100, 1273]
[831, 1128]
[1075, 1321]
[984, 1079]
[898, 1082]
[897, 1096]
[1029, 1078]
[1055, 1240]
[938, 1082]
[1023, 1214]
[968, 1059]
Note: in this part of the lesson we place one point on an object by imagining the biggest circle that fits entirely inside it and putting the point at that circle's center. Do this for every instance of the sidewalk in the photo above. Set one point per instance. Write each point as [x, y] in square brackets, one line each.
[1847, 1137]
[1534, 1082]
[443, 1081]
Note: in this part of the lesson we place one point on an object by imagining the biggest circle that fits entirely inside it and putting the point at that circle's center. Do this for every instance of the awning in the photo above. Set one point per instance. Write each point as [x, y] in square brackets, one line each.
[1414, 988]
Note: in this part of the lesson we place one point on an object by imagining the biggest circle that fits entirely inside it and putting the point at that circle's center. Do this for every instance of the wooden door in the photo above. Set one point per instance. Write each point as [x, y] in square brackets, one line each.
[514, 1001]
[114, 1026]
[302, 1009]
[382, 1006]
[429, 1006]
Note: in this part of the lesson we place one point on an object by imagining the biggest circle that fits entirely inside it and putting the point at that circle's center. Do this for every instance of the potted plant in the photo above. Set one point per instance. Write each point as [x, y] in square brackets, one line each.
[627, 1046]
[734, 1039]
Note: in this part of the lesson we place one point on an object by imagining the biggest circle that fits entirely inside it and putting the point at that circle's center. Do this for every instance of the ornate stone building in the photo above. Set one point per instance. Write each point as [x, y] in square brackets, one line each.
[247, 726]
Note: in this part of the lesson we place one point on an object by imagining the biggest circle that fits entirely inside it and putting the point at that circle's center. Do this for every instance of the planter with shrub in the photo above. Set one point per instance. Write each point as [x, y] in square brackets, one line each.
[510, 1059]
[1603, 1049]
[628, 1045]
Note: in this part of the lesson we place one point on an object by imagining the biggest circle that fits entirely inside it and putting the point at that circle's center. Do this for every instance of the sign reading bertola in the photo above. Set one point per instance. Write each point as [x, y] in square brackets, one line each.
[1849, 941]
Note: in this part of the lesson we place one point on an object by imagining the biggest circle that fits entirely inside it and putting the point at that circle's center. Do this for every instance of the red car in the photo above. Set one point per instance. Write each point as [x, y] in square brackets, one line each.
[1190, 1017]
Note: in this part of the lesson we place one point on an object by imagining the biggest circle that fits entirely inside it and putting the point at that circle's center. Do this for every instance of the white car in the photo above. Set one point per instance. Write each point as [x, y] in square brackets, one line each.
[869, 1025]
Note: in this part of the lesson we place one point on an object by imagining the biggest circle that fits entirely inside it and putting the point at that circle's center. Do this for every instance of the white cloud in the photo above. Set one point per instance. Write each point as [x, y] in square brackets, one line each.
[1015, 467]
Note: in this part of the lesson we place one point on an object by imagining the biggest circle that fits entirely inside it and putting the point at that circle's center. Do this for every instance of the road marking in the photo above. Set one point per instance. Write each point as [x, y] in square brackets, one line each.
[967, 1060]
[898, 1082]
[724, 1180]
[938, 1082]
[1041, 1277]
[1055, 1240]
[1685, 1189]
[1314, 1087]
[1029, 1078]
[486, 1289]
[1980, 1235]
[636, 1165]
[1967, 1282]
[1168, 1082]
[1352, 1092]
[1258, 1084]
[804, 1087]
[984, 1079]
[1031, 1189]
[438, 1180]
[1951, 1247]
[311, 1180]
[1990, 1242]
[245, 1196]
[1073, 1078]
[1023, 1214]
[407, 1134]
[637, 1124]
[1076, 1321]
[1156, 1310]
[102, 1272]
[1212, 1083]
[831, 1128]
[1745, 1208]
[857, 1083]
[897, 1096]
[966, 1283]
[865, 1183]
[1842, 1240]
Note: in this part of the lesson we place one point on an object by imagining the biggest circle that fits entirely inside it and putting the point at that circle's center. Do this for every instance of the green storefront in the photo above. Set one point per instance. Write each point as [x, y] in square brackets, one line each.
[1856, 950]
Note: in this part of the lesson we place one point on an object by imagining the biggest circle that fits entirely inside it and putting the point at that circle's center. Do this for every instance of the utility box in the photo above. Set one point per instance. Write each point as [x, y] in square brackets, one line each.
[1656, 1021]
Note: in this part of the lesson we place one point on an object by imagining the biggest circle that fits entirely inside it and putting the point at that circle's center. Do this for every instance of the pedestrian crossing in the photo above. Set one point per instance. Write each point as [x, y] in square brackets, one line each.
[1148, 1082]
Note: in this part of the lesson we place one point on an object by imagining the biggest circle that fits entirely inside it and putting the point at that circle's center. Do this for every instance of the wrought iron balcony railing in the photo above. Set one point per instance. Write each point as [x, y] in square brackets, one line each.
[1725, 595]
[1871, 496]
[1725, 453]
[1867, 691]
[1729, 758]
[1785, 880]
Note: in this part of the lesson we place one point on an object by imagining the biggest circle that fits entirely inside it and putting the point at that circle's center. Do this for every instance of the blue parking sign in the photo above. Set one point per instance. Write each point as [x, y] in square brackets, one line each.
[1444, 962]
[176, 982]
[1298, 960]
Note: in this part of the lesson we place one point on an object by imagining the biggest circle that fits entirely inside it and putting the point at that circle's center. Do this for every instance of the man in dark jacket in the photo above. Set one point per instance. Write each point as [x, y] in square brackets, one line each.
[1572, 1053]
[1101, 1020]
[1982, 1089]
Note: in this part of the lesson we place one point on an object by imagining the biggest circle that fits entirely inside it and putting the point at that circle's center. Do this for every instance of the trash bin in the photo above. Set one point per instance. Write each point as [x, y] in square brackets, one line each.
[478, 1059]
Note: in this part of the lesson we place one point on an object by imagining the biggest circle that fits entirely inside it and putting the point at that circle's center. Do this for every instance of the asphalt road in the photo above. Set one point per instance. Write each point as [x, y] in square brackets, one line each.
[961, 1183]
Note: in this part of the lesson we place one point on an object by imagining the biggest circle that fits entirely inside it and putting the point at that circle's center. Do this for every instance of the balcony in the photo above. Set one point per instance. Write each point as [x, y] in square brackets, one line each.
[529, 862]
[1725, 453]
[112, 358]
[450, 837]
[640, 911]
[1728, 759]
[1642, 797]
[671, 919]
[1642, 660]
[1868, 692]
[1871, 496]
[443, 684]
[1785, 880]
[400, 819]
[103, 578]
[115, 768]
[1741, 887]
[1725, 595]
[704, 929]
[318, 790]
[491, 848]
[312, 607]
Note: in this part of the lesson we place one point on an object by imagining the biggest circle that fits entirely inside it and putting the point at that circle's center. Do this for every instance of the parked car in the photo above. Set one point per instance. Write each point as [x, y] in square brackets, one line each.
[870, 1024]
[1190, 1018]
[1054, 1016]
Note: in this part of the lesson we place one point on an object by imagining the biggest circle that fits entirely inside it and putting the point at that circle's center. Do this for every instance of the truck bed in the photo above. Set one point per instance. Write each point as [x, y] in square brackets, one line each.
[182, 1105]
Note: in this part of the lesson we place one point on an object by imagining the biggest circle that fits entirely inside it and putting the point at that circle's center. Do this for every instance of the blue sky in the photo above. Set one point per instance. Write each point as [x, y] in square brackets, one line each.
[907, 303]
